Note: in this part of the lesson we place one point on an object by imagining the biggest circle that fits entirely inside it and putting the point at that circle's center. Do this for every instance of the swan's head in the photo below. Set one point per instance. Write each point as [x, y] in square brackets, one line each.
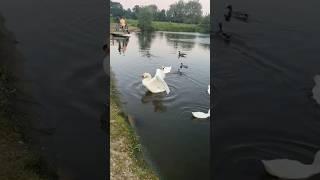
[146, 76]
[317, 79]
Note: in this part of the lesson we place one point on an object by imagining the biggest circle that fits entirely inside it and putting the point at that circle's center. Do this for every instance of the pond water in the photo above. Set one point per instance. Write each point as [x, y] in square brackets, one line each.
[264, 105]
[176, 144]
[61, 42]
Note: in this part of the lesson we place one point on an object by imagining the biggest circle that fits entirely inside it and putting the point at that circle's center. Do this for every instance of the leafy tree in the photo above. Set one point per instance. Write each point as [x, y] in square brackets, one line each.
[135, 11]
[128, 14]
[181, 12]
[161, 15]
[176, 12]
[192, 12]
[205, 24]
[116, 9]
[145, 17]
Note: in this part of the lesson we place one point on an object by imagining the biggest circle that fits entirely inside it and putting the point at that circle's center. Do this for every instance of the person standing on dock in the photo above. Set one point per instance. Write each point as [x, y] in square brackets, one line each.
[122, 23]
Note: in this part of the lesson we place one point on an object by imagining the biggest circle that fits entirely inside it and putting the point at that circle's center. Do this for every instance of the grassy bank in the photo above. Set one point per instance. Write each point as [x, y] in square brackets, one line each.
[165, 26]
[126, 159]
[169, 26]
[17, 160]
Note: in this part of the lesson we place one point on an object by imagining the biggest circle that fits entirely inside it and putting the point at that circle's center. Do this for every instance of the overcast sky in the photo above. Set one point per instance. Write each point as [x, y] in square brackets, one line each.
[162, 4]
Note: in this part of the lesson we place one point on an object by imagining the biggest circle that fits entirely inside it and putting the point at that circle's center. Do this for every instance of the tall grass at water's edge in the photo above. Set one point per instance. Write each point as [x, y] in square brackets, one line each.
[129, 147]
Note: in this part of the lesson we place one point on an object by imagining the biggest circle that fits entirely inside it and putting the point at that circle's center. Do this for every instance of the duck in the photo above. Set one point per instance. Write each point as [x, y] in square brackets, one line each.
[156, 84]
[181, 54]
[292, 169]
[236, 14]
[202, 115]
[222, 34]
[183, 66]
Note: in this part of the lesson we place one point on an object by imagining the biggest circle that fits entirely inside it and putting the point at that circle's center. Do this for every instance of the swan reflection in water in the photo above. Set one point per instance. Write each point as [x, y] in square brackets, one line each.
[156, 100]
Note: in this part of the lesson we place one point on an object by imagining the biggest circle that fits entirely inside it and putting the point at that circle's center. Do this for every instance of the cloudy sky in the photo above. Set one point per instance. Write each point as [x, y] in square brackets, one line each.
[162, 4]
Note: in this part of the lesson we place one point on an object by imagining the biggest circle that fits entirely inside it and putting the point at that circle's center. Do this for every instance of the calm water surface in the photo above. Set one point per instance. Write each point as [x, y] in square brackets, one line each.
[264, 78]
[176, 144]
[61, 42]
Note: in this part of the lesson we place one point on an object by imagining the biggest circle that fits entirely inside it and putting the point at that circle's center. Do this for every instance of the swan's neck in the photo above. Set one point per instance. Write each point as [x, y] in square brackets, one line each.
[316, 168]
[316, 163]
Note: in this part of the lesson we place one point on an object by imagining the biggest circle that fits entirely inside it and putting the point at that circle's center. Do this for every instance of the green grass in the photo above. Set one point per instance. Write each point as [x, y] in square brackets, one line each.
[175, 27]
[169, 26]
[18, 161]
[126, 152]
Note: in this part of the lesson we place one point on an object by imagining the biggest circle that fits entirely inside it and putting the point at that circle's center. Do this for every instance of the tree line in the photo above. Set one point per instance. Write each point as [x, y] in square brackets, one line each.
[180, 12]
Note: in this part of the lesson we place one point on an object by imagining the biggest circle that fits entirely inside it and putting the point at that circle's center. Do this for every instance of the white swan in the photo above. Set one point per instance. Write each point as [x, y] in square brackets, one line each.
[156, 84]
[201, 115]
[166, 69]
[292, 169]
[316, 89]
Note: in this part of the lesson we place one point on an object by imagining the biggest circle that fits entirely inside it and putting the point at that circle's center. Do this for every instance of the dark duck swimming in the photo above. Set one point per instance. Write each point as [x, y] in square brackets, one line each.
[181, 54]
[235, 14]
[222, 34]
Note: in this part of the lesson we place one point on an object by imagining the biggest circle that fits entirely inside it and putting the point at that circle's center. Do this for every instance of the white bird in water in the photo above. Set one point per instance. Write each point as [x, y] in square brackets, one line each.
[156, 84]
[292, 169]
[166, 69]
[202, 115]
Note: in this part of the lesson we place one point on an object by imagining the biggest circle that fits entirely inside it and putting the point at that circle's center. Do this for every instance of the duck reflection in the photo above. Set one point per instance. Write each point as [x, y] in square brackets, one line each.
[156, 100]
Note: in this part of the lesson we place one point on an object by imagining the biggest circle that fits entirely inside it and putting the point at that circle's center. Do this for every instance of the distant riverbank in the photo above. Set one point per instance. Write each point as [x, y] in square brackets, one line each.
[164, 26]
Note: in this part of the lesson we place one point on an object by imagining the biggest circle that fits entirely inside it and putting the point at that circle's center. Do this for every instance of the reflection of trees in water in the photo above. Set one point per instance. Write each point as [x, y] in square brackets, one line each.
[176, 40]
[161, 34]
[205, 46]
[156, 100]
[180, 36]
[145, 40]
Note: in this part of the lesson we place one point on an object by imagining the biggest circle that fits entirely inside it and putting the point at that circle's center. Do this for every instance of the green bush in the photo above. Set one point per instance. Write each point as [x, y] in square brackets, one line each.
[145, 19]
